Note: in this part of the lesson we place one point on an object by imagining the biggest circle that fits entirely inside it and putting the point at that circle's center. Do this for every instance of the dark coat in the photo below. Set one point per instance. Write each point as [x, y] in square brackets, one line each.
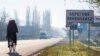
[11, 28]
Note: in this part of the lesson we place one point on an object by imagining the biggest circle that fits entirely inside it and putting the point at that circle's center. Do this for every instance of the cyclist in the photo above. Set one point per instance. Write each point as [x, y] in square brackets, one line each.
[11, 35]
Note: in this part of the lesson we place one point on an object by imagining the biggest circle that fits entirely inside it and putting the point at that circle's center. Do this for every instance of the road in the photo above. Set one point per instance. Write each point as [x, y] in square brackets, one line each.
[27, 47]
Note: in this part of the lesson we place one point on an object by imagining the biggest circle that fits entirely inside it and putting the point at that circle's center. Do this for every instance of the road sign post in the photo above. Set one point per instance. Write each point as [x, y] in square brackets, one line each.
[89, 35]
[69, 38]
[73, 36]
[73, 27]
[79, 32]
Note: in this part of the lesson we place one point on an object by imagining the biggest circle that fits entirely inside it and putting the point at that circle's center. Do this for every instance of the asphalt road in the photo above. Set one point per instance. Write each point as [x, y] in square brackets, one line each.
[27, 47]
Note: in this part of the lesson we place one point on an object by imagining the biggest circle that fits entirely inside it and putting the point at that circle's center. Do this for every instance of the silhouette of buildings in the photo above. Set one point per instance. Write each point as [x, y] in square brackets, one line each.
[25, 32]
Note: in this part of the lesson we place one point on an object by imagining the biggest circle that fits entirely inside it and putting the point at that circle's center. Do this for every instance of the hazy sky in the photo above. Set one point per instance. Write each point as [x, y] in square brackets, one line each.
[57, 8]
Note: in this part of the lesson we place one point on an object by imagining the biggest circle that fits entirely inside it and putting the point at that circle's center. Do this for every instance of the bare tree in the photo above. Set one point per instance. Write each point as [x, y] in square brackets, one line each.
[28, 16]
[16, 18]
[94, 4]
[36, 23]
[3, 25]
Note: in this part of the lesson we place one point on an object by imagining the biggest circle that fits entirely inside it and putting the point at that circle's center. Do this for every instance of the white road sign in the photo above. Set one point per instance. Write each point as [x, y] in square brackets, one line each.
[96, 19]
[79, 16]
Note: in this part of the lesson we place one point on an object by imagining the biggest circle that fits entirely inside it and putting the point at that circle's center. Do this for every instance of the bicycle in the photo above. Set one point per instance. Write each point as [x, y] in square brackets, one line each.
[11, 46]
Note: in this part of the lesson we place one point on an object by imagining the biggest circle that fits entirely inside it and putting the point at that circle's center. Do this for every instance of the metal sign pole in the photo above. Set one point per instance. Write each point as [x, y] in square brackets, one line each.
[89, 35]
[70, 38]
[73, 36]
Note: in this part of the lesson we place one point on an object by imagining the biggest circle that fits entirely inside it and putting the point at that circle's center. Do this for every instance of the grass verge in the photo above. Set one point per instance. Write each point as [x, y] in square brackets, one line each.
[64, 50]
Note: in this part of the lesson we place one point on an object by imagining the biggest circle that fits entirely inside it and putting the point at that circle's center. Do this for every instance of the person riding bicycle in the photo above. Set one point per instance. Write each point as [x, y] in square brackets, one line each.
[11, 35]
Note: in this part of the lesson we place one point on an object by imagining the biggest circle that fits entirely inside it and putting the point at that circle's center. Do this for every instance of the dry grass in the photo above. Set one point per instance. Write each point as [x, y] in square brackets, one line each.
[64, 50]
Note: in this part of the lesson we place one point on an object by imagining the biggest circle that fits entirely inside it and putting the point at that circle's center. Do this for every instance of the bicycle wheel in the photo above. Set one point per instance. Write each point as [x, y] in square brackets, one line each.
[10, 46]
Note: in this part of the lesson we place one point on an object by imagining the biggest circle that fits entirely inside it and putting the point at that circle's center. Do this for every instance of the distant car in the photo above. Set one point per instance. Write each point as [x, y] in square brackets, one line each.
[43, 35]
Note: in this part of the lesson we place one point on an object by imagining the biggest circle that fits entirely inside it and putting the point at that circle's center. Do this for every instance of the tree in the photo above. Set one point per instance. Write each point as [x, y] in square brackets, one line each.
[3, 25]
[28, 16]
[36, 23]
[16, 18]
[47, 21]
[4, 16]
[95, 4]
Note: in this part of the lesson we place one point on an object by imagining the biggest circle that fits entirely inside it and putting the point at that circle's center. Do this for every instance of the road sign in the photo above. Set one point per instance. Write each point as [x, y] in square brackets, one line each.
[73, 27]
[96, 19]
[96, 22]
[80, 30]
[79, 16]
[68, 24]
